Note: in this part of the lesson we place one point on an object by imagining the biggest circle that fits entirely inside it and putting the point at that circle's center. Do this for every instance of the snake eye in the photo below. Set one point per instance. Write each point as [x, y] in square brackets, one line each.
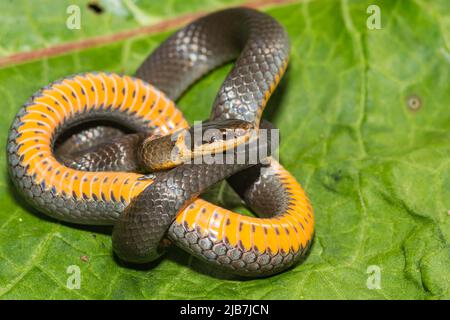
[210, 139]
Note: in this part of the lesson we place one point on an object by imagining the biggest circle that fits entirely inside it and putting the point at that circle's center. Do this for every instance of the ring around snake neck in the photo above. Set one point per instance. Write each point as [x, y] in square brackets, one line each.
[103, 191]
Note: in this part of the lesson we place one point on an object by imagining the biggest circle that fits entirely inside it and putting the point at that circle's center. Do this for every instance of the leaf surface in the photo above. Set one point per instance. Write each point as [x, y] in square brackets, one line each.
[377, 172]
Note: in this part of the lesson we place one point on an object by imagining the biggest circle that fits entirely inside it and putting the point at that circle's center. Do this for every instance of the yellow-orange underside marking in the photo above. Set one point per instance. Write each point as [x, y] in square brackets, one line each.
[76, 95]
[292, 230]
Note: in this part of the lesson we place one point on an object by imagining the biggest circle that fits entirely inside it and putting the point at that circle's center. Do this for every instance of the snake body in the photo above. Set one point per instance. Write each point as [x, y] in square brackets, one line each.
[140, 206]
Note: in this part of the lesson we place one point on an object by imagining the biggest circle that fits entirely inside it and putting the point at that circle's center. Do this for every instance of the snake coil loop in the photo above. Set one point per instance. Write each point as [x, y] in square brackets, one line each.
[91, 177]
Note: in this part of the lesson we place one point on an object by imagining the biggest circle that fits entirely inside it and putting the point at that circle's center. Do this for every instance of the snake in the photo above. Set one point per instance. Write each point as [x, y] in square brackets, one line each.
[100, 174]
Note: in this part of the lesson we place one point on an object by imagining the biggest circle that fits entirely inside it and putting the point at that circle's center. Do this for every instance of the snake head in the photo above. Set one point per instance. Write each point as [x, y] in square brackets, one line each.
[207, 137]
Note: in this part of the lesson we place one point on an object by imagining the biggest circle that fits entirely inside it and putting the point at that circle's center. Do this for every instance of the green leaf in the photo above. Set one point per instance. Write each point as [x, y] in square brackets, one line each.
[377, 172]
[29, 25]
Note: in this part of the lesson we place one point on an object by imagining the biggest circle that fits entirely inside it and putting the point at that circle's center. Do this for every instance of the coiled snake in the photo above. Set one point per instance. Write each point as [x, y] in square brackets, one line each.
[97, 175]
